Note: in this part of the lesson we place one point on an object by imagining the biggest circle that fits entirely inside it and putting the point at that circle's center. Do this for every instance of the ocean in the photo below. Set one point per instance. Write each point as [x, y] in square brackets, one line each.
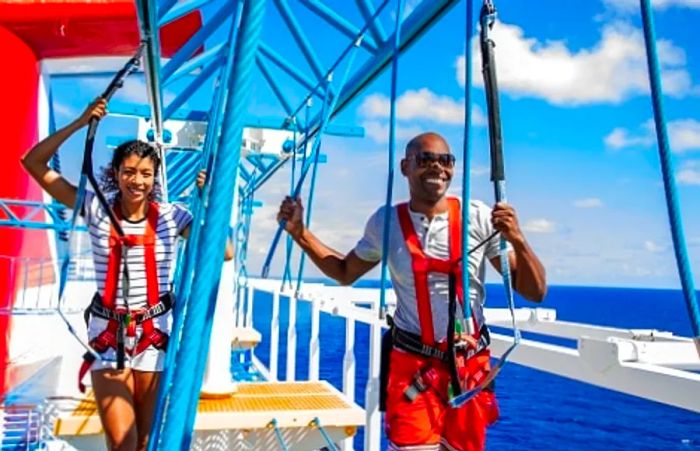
[539, 411]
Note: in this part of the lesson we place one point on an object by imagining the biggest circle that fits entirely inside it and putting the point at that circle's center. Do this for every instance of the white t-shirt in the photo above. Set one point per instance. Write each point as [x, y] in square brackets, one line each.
[434, 238]
[172, 220]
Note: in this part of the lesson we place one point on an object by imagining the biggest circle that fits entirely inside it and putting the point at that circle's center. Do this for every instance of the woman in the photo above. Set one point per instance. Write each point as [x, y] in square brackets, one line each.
[129, 318]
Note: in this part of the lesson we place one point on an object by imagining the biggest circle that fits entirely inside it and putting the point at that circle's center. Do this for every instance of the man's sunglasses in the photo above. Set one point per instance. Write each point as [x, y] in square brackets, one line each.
[425, 158]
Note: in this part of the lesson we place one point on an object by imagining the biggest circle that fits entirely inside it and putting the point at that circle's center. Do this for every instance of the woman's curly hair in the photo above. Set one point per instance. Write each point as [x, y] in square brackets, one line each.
[108, 178]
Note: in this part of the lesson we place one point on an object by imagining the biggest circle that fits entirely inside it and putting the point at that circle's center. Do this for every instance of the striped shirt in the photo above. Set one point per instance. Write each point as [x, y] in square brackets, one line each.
[172, 220]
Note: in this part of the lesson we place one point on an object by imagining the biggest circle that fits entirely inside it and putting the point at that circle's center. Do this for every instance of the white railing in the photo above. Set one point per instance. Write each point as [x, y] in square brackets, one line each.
[650, 364]
[34, 282]
[336, 301]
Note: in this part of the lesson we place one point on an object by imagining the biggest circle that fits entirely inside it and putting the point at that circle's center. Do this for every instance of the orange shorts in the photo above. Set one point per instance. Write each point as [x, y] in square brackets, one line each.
[428, 419]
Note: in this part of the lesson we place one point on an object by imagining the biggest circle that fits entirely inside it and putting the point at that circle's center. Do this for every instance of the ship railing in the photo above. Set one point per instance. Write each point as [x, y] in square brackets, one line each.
[32, 285]
[354, 305]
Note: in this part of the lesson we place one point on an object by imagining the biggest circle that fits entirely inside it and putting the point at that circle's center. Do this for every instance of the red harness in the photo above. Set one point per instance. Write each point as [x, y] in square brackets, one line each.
[121, 318]
[422, 265]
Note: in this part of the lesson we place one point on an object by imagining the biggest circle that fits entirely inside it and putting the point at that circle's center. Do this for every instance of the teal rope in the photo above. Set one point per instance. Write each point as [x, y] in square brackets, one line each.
[278, 435]
[184, 277]
[672, 203]
[317, 424]
[191, 360]
[326, 111]
[467, 325]
[392, 161]
[287, 277]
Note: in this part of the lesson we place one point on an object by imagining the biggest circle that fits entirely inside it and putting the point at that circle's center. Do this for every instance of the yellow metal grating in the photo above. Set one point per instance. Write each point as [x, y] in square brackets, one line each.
[283, 388]
[251, 397]
[242, 403]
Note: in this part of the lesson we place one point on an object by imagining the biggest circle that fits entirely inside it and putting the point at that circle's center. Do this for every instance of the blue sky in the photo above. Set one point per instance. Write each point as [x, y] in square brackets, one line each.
[581, 162]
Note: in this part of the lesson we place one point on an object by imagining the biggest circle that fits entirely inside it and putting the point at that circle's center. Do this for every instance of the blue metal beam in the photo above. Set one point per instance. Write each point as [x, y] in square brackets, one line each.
[286, 66]
[193, 87]
[197, 40]
[143, 111]
[201, 60]
[274, 86]
[375, 27]
[191, 358]
[339, 23]
[300, 37]
[179, 10]
[149, 33]
[164, 6]
[28, 215]
[417, 23]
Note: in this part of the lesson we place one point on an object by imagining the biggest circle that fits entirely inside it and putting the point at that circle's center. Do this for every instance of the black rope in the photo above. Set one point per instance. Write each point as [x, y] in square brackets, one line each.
[87, 170]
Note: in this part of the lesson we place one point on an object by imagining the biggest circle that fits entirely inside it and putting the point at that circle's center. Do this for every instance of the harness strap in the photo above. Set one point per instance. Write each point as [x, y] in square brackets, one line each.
[422, 265]
[165, 303]
[406, 341]
[121, 322]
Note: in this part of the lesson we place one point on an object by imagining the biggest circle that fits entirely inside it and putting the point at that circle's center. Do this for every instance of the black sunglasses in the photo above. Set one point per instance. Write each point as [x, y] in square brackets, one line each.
[425, 158]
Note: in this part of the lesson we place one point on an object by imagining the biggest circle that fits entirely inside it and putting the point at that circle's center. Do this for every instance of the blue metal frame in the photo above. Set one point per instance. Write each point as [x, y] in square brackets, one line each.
[151, 62]
[417, 23]
[286, 66]
[265, 71]
[300, 37]
[375, 28]
[191, 358]
[197, 40]
[196, 62]
[27, 217]
[192, 87]
[179, 10]
[339, 23]
[278, 123]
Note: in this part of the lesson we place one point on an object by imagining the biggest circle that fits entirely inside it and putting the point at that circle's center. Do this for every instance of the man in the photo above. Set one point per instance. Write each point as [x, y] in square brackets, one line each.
[424, 246]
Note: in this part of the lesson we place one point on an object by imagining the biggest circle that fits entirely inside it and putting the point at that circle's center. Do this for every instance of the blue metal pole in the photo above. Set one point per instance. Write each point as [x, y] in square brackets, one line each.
[191, 359]
[417, 23]
[179, 10]
[312, 188]
[197, 40]
[286, 66]
[672, 203]
[392, 160]
[164, 6]
[265, 70]
[184, 283]
[339, 23]
[375, 28]
[191, 88]
[300, 38]
[149, 34]
[215, 52]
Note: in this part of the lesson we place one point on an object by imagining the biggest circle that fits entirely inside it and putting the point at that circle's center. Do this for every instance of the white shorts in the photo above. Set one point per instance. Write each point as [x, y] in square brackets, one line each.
[151, 359]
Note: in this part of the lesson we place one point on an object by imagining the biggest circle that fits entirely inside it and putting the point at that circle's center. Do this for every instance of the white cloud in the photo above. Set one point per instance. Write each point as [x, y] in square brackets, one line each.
[611, 71]
[689, 174]
[684, 136]
[633, 5]
[421, 104]
[540, 226]
[65, 110]
[588, 202]
[653, 247]
[477, 171]
[621, 138]
[379, 131]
